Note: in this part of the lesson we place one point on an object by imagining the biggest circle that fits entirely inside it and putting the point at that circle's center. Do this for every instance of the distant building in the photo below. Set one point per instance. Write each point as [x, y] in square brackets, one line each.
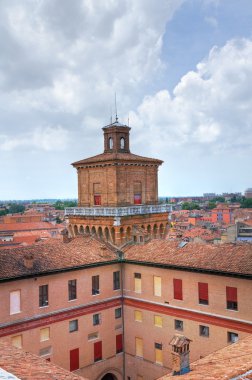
[248, 193]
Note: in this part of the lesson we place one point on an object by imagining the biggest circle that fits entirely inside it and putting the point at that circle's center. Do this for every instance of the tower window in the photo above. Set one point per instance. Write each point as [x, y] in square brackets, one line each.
[111, 144]
[122, 143]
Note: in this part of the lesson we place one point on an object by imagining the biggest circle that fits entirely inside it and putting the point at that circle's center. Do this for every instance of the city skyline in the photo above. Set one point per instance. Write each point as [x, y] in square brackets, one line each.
[182, 74]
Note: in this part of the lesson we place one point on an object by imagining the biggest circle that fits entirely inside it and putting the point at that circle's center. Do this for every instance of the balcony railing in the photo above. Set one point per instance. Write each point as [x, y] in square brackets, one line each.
[117, 211]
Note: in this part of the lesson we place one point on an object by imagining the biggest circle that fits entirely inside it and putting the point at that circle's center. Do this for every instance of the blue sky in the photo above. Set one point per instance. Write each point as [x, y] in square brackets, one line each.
[182, 71]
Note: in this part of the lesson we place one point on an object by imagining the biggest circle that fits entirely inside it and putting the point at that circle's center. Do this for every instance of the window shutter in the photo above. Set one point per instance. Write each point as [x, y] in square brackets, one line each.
[119, 343]
[159, 356]
[157, 286]
[15, 302]
[177, 287]
[138, 285]
[138, 316]
[203, 291]
[16, 341]
[231, 294]
[139, 347]
[97, 351]
[158, 321]
[74, 359]
[44, 334]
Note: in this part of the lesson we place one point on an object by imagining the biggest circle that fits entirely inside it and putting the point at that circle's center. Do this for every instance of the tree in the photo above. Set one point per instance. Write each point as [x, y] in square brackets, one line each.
[211, 205]
[246, 203]
[190, 206]
[16, 208]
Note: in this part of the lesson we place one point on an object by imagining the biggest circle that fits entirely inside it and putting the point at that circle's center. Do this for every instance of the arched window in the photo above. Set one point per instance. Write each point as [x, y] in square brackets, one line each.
[122, 143]
[110, 143]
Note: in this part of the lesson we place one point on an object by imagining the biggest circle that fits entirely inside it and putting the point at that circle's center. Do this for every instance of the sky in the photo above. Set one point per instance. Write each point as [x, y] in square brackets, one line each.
[182, 73]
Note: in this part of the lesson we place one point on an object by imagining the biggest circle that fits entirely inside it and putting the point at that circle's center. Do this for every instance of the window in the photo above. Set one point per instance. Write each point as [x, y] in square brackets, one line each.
[119, 343]
[96, 319]
[177, 289]
[231, 294]
[122, 143]
[204, 331]
[44, 334]
[97, 351]
[139, 347]
[138, 316]
[116, 280]
[15, 302]
[16, 341]
[138, 282]
[72, 291]
[158, 353]
[178, 325]
[158, 321]
[93, 336]
[137, 192]
[95, 285]
[97, 200]
[232, 337]
[203, 293]
[111, 143]
[43, 295]
[45, 351]
[118, 313]
[73, 325]
[157, 286]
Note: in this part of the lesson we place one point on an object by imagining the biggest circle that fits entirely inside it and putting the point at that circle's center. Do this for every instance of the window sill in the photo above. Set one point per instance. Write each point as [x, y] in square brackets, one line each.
[16, 312]
[232, 310]
[75, 299]
[42, 307]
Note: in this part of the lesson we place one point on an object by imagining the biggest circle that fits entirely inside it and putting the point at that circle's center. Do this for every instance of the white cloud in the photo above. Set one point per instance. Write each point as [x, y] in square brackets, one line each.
[47, 139]
[211, 106]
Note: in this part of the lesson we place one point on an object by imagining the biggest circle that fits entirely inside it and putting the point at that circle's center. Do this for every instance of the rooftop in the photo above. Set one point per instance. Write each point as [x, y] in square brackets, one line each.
[27, 226]
[226, 258]
[233, 362]
[26, 366]
[106, 158]
[53, 255]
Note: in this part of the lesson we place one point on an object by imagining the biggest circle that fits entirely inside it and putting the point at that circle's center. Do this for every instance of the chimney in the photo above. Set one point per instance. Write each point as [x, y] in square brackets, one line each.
[29, 260]
[66, 238]
[180, 355]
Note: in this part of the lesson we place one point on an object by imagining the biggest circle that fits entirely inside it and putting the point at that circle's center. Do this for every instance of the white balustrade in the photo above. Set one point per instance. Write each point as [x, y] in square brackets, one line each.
[118, 211]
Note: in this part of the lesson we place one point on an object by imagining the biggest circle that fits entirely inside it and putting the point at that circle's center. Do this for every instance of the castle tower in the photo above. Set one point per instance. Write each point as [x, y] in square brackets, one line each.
[118, 193]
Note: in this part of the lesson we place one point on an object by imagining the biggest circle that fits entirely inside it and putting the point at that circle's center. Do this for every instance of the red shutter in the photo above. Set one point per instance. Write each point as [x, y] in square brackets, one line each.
[74, 359]
[231, 294]
[119, 343]
[97, 200]
[177, 287]
[203, 291]
[97, 351]
[137, 199]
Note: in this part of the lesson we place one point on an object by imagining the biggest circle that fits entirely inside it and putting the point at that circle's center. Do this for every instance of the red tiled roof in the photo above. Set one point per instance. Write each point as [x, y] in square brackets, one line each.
[25, 365]
[230, 362]
[108, 157]
[227, 258]
[53, 255]
[27, 226]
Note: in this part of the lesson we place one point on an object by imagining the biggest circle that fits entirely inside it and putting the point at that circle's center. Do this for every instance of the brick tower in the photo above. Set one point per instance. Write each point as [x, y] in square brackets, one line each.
[118, 193]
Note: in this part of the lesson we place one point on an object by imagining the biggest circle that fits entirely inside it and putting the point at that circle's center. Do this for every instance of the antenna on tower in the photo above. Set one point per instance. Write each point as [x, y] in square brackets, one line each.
[128, 120]
[111, 115]
[116, 108]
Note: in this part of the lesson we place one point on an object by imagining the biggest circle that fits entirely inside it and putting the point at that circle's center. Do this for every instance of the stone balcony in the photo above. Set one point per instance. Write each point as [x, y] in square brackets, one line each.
[118, 211]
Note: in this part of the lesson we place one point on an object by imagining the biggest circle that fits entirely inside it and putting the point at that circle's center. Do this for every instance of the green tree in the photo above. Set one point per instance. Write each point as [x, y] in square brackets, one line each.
[211, 205]
[190, 206]
[16, 208]
[246, 203]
